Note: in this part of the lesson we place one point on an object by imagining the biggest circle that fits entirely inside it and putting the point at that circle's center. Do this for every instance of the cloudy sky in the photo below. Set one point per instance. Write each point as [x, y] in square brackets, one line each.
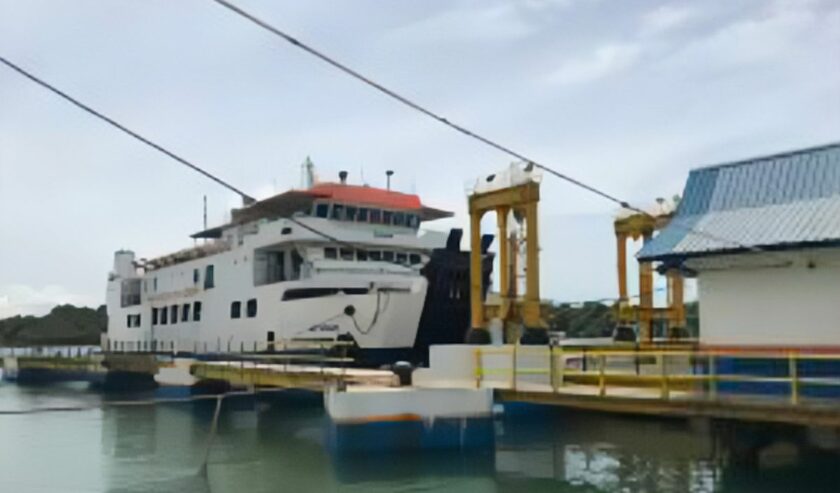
[627, 95]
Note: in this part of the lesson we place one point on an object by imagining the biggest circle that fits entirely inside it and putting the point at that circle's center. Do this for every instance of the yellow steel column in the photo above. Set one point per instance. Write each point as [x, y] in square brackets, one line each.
[676, 305]
[476, 285]
[621, 251]
[478, 333]
[531, 310]
[535, 330]
[504, 261]
[678, 299]
[513, 251]
[645, 298]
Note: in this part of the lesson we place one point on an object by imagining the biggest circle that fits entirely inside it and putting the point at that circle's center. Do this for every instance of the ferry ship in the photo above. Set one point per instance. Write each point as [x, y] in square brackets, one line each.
[332, 261]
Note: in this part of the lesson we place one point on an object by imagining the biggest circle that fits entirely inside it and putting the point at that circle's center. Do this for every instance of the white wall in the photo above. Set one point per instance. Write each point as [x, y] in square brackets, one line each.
[781, 306]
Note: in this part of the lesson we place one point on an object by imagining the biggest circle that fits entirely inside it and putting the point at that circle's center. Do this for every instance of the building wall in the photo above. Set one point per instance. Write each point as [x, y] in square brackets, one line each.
[794, 306]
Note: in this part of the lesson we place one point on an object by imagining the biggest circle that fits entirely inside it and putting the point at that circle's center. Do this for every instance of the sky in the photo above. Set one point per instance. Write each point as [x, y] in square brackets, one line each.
[625, 95]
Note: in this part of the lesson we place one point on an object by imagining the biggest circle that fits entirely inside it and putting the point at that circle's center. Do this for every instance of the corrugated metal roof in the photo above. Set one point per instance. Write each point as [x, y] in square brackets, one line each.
[773, 201]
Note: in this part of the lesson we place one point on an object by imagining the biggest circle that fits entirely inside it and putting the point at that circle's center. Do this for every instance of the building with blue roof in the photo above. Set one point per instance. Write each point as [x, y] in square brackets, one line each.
[762, 237]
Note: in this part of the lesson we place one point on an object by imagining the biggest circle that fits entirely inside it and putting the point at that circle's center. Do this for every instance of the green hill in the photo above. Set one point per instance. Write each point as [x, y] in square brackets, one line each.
[64, 325]
[595, 319]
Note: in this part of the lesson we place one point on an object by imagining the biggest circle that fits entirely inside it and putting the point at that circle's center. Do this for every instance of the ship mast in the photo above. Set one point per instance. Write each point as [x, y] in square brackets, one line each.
[307, 174]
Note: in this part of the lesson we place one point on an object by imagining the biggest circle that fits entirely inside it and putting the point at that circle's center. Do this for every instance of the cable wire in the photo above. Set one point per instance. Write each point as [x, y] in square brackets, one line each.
[134, 403]
[460, 128]
[245, 197]
[416, 106]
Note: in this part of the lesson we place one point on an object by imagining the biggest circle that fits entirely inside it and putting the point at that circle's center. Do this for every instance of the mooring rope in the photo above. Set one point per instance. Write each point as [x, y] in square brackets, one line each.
[135, 403]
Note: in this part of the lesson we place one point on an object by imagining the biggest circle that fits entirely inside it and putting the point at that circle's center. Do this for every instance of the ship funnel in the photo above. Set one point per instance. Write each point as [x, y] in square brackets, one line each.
[124, 264]
[342, 175]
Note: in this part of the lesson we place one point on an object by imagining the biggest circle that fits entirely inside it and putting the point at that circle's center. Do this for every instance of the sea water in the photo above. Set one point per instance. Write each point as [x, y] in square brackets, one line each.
[277, 443]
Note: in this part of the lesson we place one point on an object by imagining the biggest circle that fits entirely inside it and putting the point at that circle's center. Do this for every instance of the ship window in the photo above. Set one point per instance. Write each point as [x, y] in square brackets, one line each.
[362, 216]
[209, 281]
[387, 217]
[297, 261]
[338, 212]
[196, 276]
[286, 231]
[154, 284]
[399, 219]
[251, 308]
[164, 315]
[350, 213]
[145, 286]
[197, 311]
[375, 255]
[356, 291]
[236, 309]
[185, 312]
[330, 252]
[276, 263]
[154, 316]
[375, 216]
[304, 293]
[414, 259]
[388, 256]
[346, 254]
[413, 221]
[173, 314]
[130, 292]
[129, 321]
[322, 210]
[402, 258]
[361, 255]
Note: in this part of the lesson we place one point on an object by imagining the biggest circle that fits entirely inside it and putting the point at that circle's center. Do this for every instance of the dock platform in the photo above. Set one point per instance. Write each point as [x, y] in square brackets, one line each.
[288, 375]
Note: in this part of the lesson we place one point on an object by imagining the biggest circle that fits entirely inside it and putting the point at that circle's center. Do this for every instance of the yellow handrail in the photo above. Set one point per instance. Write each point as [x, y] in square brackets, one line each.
[674, 368]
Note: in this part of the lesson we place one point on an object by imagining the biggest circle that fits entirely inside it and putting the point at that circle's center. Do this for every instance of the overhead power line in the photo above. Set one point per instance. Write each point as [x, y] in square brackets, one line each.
[417, 107]
[245, 197]
[460, 128]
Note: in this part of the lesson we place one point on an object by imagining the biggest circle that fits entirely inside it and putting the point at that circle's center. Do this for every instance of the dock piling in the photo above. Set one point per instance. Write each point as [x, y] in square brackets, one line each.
[793, 374]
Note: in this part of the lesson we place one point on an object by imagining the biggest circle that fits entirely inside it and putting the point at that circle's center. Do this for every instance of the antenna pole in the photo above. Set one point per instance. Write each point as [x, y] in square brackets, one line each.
[205, 212]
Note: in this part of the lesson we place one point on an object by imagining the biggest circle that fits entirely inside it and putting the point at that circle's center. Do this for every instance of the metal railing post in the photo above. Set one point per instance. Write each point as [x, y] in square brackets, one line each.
[636, 359]
[552, 371]
[561, 377]
[664, 375]
[793, 374]
[712, 377]
[478, 369]
[602, 381]
[513, 370]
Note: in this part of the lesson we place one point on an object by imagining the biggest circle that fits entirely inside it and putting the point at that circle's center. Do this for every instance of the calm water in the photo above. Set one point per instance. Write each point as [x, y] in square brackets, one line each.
[278, 447]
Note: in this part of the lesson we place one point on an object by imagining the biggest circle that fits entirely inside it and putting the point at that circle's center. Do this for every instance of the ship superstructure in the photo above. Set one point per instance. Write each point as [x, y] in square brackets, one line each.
[331, 261]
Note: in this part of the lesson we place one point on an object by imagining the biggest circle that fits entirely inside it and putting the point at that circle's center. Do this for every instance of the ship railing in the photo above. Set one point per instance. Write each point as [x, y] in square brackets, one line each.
[51, 351]
[171, 347]
[662, 373]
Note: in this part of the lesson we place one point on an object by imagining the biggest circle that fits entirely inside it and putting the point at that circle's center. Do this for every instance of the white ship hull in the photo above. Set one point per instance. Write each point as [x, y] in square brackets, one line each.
[377, 304]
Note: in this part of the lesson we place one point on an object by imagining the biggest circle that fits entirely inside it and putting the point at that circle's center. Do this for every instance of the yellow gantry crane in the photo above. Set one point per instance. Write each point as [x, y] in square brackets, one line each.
[512, 194]
[634, 226]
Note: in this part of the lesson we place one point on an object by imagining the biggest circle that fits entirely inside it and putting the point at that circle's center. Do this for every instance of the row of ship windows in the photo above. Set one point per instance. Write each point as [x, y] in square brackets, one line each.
[250, 309]
[341, 212]
[169, 315]
[372, 255]
[209, 279]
